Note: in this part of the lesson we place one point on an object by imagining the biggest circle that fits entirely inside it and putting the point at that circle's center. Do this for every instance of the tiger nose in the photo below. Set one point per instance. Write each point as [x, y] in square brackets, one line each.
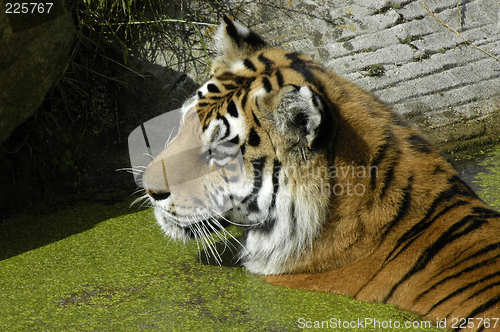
[158, 195]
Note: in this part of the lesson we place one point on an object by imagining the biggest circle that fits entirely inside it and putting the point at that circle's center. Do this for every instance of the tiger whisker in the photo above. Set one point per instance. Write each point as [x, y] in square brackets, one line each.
[205, 237]
[138, 190]
[221, 234]
[169, 137]
[229, 221]
[231, 235]
[194, 229]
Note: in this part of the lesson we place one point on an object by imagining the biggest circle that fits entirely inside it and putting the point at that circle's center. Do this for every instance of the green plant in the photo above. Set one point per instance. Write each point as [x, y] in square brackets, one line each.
[65, 163]
[120, 24]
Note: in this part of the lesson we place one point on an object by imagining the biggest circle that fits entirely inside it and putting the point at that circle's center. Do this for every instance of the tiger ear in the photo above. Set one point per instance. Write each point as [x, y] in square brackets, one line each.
[299, 113]
[234, 41]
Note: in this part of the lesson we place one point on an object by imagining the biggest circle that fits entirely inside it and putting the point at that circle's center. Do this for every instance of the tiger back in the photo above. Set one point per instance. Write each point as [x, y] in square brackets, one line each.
[334, 190]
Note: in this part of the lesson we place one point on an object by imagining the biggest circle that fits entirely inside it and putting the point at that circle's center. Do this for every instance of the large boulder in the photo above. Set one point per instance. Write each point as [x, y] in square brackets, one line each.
[34, 48]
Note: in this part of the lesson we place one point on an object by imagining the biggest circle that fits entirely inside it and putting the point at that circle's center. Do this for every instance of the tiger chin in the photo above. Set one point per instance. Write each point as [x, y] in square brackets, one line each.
[334, 191]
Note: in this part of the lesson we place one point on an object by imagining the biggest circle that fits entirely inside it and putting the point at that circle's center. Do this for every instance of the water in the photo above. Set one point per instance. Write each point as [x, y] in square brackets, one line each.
[104, 266]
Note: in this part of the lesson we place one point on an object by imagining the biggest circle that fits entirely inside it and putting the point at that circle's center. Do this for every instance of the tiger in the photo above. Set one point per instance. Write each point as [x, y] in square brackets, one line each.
[333, 190]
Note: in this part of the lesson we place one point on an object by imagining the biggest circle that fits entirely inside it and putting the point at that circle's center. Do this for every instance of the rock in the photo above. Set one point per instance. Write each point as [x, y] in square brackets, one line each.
[34, 48]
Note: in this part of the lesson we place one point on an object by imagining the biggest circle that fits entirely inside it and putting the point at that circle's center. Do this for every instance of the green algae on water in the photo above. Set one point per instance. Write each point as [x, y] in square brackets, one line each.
[108, 267]
[489, 181]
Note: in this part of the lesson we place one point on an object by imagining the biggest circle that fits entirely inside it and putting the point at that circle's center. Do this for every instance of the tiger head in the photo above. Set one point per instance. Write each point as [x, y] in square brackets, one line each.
[255, 148]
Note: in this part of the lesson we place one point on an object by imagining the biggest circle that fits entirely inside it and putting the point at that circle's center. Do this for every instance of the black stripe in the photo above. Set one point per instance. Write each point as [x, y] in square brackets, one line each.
[253, 138]
[227, 75]
[266, 226]
[279, 78]
[209, 114]
[485, 212]
[418, 229]
[230, 86]
[226, 124]
[461, 187]
[244, 100]
[249, 64]
[235, 140]
[472, 223]
[402, 209]
[381, 155]
[445, 196]
[206, 121]
[492, 302]
[293, 216]
[437, 170]
[418, 143]
[276, 175]
[244, 81]
[255, 40]
[377, 160]
[268, 63]
[270, 222]
[462, 289]
[458, 291]
[303, 68]
[212, 88]
[389, 175]
[398, 121]
[231, 30]
[200, 95]
[267, 85]
[215, 98]
[488, 248]
[231, 109]
[258, 166]
[257, 122]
